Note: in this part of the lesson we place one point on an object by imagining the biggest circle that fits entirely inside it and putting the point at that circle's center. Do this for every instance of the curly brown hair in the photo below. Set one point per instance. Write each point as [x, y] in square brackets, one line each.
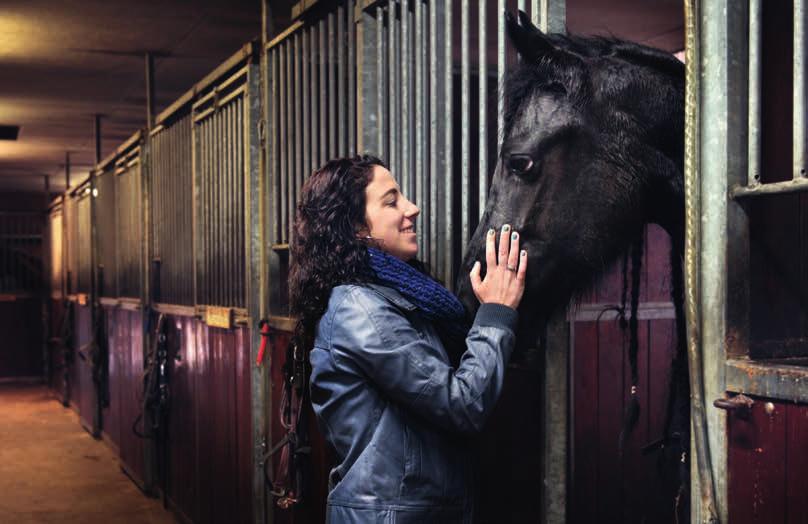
[325, 249]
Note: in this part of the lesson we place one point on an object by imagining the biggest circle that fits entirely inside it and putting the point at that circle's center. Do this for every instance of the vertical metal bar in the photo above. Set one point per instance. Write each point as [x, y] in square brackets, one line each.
[288, 174]
[448, 170]
[351, 79]
[500, 74]
[482, 68]
[313, 92]
[420, 93]
[303, 90]
[149, 90]
[434, 123]
[341, 78]
[405, 172]
[553, 16]
[755, 77]
[465, 124]
[381, 81]
[235, 174]
[276, 151]
[393, 91]
[332, 89]
[297, 92]
[534, 12]
[800, 92]
[324, 76]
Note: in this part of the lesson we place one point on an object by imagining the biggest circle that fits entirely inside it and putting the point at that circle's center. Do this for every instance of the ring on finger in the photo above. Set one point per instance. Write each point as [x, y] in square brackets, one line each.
[510, 268]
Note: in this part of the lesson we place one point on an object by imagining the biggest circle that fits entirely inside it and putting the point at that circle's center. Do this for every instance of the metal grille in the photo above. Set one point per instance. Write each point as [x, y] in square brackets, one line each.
[219, 145]
[20, 252]
[312, 105]
[72, 235]
[83, 245]
[106, 221]
[56, 253]
[430, 107]
[172, 226]
[128, 196]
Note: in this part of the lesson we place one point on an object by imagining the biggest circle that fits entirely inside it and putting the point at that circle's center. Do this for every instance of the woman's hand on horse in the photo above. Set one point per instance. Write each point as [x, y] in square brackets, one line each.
[504, 281]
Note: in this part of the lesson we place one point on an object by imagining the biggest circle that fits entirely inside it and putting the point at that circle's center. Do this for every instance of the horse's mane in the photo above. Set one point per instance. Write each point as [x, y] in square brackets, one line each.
[608, 46]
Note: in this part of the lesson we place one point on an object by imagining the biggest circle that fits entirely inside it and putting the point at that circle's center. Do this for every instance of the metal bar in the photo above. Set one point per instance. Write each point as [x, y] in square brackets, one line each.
[286, 175]
[500, 74]
[447, 153]
[332, 90]
[393, 90]
[434, 122]
[405, 170]
[420, 93]
[775, 188]
[465, 124]
[800, 92]
[297, 180]
[324, 74]
[97, 139]
[275, 153]
[482, 68]
[313, 93]
[553, 16]
[755, 78]
[381, 84]
[341, 81]
[556, 421]
[351, 80]
[149, 90]
[303, 89]
[766, 379]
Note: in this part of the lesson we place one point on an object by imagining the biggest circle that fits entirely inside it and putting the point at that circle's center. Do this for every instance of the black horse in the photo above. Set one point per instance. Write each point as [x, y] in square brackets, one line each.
[593, 150]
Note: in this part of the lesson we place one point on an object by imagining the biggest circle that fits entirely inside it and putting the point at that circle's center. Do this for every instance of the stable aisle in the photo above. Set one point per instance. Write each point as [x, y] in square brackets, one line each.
[51, 470]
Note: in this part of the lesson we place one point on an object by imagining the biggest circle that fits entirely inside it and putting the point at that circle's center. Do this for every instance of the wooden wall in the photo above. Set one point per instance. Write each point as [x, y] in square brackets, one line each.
[605, 486]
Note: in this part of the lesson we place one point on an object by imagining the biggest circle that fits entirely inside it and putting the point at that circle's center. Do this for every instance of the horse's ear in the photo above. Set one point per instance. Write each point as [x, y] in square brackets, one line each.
[528, 39]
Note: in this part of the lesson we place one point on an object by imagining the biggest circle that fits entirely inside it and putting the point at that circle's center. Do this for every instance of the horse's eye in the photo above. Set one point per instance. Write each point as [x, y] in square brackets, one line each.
[519, 165]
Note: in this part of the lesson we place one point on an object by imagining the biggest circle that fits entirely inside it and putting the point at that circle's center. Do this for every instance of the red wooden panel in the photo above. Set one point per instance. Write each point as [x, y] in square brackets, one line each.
[756, 463]
[610, 417]
[85, 384]
[796, 464]
[182, 435]
[130, 341]
[657, 264]
[313, 510]
[636, 476]
[586, 438]
[244, 433]
[112, 414]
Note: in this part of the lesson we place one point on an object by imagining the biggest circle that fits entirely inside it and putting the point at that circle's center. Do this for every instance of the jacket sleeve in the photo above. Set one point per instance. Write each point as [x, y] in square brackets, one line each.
[374, 336]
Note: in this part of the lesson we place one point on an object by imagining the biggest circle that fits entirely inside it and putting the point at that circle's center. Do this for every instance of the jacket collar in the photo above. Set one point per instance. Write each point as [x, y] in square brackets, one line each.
[393, 296]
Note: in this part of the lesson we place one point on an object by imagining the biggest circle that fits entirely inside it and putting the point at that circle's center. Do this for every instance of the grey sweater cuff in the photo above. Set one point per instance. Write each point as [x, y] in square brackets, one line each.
[497, 315]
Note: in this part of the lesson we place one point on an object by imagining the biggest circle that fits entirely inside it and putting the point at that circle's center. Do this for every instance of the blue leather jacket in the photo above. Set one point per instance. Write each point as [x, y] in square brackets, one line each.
[394, 409]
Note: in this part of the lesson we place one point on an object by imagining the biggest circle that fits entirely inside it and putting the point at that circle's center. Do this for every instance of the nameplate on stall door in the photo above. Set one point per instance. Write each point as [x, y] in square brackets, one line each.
[221, 317]
[81, 298]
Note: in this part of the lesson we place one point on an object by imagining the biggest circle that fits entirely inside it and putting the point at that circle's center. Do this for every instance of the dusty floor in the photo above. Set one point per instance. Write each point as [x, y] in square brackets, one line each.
[51, 470]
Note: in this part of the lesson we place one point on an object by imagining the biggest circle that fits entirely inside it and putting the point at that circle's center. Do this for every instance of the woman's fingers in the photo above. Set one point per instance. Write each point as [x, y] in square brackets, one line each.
[520, 275]
[504, 244]
[475, 276]
[490, 250]
[513, 254]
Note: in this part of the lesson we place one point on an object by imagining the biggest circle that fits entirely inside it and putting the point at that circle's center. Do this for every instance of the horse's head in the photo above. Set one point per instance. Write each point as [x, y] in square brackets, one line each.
[592, 150]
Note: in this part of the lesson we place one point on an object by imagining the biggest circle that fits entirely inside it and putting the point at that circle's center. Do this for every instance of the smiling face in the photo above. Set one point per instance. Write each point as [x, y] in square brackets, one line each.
[389, 216]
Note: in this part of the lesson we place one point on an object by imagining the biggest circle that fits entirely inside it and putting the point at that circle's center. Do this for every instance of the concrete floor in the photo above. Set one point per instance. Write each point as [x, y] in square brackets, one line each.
[51, 470]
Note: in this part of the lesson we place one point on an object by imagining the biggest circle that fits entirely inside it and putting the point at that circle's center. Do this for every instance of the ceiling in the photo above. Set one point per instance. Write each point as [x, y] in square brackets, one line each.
[63, 61]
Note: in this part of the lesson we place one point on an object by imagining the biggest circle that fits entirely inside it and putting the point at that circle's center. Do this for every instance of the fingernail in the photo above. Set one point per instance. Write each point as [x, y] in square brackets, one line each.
[523, 253]
[514, 235]
[491, 231]
[506, 228]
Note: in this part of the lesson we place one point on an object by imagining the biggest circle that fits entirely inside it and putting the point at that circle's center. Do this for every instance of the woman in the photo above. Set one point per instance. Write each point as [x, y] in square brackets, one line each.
[384, 392]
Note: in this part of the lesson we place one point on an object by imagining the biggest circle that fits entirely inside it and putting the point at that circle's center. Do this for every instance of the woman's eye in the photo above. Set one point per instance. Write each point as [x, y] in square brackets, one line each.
[392, 204]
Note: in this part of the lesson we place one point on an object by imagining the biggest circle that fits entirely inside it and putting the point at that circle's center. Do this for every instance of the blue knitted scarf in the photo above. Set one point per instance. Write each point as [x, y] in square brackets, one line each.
[435, 302]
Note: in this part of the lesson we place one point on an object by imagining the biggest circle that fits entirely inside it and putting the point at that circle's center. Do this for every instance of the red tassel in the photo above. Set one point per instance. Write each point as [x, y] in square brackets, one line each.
[264, 325]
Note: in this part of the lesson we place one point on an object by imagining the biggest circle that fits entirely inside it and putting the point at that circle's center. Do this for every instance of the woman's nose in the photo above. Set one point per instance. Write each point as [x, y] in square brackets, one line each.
[412, 210]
